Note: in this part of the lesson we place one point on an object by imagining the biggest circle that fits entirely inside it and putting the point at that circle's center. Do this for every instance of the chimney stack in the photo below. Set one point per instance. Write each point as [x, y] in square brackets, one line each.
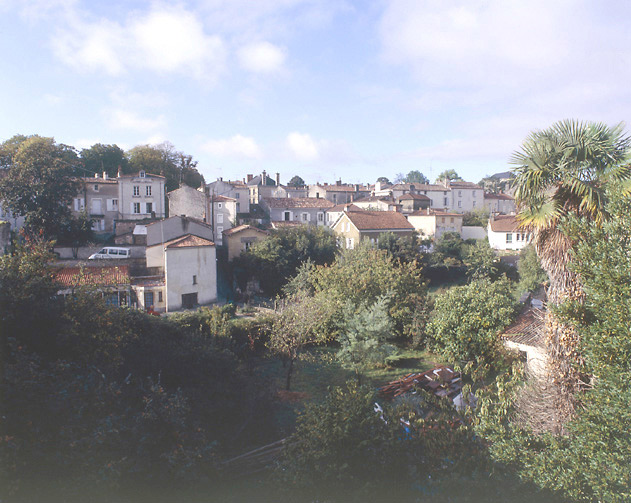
[249, 178]
[264, 178]
[277, 179]
[338, 182]
[96, 175]
[105, 177]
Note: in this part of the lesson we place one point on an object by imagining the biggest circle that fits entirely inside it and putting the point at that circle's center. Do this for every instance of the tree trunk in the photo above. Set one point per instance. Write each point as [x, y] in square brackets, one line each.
[290, 369]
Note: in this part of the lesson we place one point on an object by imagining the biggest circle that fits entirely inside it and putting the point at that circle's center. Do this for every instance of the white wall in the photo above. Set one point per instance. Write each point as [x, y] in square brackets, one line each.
[181, 264]
[473, 232]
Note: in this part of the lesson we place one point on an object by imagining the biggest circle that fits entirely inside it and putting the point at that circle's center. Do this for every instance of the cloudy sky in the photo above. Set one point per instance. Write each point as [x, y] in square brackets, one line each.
[325, 89]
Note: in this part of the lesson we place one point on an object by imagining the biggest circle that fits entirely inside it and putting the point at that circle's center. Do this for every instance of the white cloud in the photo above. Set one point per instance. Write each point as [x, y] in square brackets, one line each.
[262, 57]
[302, 146]
[165, 40]
[238, 146]
[126, 119]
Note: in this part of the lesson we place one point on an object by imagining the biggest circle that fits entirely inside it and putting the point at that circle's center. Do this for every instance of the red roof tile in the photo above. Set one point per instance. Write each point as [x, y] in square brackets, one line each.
[240, 228]
[188, 241]
[94, 276]
[379, 220]
[505, 223]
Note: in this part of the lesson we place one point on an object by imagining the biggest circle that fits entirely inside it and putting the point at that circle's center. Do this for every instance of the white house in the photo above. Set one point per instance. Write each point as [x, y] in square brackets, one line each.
[141, 196]
[506, 233]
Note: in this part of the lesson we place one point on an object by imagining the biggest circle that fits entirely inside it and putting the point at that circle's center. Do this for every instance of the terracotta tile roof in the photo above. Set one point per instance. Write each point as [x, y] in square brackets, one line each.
[419, 197]
[188, 241]
[343, 188]
[505, 223]
[279, 224]
[94, 276]
[504, 197]
[137, 175]
[419, 186]
[379, 220]
[219, 199]
[428, 212]
[297, 202]
[240, 228]
[527, 328]
[464, 185]
[343, 207]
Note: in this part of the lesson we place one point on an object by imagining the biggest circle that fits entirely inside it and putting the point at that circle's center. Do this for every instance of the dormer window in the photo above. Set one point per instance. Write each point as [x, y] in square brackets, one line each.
[141, 174]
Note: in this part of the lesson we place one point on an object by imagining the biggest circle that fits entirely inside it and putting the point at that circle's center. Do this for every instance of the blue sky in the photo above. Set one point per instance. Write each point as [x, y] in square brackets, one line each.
[325, 89]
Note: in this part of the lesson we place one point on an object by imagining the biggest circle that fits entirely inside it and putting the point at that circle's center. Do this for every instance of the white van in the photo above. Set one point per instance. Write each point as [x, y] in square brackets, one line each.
[111, 252]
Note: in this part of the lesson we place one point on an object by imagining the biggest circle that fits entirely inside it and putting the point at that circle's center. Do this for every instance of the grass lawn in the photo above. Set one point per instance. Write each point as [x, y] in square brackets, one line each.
[313, 377]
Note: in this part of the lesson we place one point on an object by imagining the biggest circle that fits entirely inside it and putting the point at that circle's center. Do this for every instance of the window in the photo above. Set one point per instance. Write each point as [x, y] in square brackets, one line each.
[350, 243]
[220, 218]
[320, 217]
[194, 279]
[238, 207]
[474, 203]
[459, 193]
[142, 174]
[136, 190]
[305, 217]
[149, 207]
[287, 216]
[509, 237]
[442, 220]
[473, 193]
[459, 204]
[148, 300]
[160, 296]
[96, 206]
[148, 190]
[237, 196]
[444, 192]
[348, 226]
[451, 220]
[136, 208]
[219, 232]
[219, 205]
[79, 204]
[446, 202]
[96, 187]
[112, 205]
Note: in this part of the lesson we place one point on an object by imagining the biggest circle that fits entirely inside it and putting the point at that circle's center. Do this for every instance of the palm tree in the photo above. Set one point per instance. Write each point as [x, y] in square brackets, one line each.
[561, 171]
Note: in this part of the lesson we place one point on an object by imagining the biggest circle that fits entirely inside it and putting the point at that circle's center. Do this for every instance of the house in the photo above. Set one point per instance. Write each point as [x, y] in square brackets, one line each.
[237, 190]
[465, 196]
[434, 223]
[112, 281]
[222, 212]
[187, 267]
[499, 203]
[413, 202]
[333, 213]
[526, 335]
[506, 233]
[189, 202]
[306, 210]
[354, 226]
[339, 193]
[98, 196]
[262, 186]
[438, 194]
[175, 227]
[377, 203]
[238, 239]
[141, 196]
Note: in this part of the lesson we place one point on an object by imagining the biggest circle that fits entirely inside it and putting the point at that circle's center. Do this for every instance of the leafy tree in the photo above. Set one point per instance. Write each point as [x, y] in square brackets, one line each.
[449, 249]
[275, 259]
[296, 181]
[9, 148]
[531, 275]
[39, 185]
[481, 261]
[448, 174]
[415, 176]
[466, 320]
[165, 160]
[104, 158]
[479, 217]
[403, 248]
[364, 341]
[384, 180]
[563, 171]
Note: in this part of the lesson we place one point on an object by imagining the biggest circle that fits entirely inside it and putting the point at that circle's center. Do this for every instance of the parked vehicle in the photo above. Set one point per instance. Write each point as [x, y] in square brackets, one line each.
[111, 252]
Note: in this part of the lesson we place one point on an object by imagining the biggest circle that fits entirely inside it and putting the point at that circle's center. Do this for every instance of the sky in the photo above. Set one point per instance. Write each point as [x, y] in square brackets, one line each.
[323, 89]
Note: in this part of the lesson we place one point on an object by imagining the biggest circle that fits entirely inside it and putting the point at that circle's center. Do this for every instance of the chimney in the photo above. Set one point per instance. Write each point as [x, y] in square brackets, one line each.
[105, 177]
[428, 210]
[356, 187]
[221, 178]
[264, 178]
[277, 179]
[347, 208]
[249, 179]
[118, 174]
[96, 175]
[338, 182]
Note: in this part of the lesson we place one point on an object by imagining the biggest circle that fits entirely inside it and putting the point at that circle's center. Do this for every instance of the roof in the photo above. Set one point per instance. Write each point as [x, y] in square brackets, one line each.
[192, 219]
[419, 186]
[505, 223]
[257, 181]
[343, 188]
[442, 381]
[419, 197]
[188, 241]
[241, 228]
[297, 202]
[219, 199]
[95, 179]
[137, 175]
[379, 220]
[149, 281]
[504, 197]
[372, 199]
[279, 224]
[345, 207]
[428, 212]
[464, 185]
[94, 276]
[527, 328]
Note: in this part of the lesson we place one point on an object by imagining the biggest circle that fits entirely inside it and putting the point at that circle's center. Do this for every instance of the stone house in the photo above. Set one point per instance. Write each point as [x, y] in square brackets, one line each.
[98, 196]
[354, 226]
[305, 210]
[339, 193]
[238, 239]
[434, 223]
[413, 202]
[236, 190]
[499, 203]
[175, 227]
[141, 196]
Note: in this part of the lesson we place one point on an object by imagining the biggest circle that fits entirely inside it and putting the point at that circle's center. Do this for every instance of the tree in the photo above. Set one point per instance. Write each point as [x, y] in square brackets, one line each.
[403, 248]
[479, 217]
[415, 176]
[531, 275]
[466, 320]
[562, 171]
[448, 175]
[39, 185]
[101, 158]
[481, 261]
[296, 181]
[364, 341]
[165, 160]
[384, 180]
